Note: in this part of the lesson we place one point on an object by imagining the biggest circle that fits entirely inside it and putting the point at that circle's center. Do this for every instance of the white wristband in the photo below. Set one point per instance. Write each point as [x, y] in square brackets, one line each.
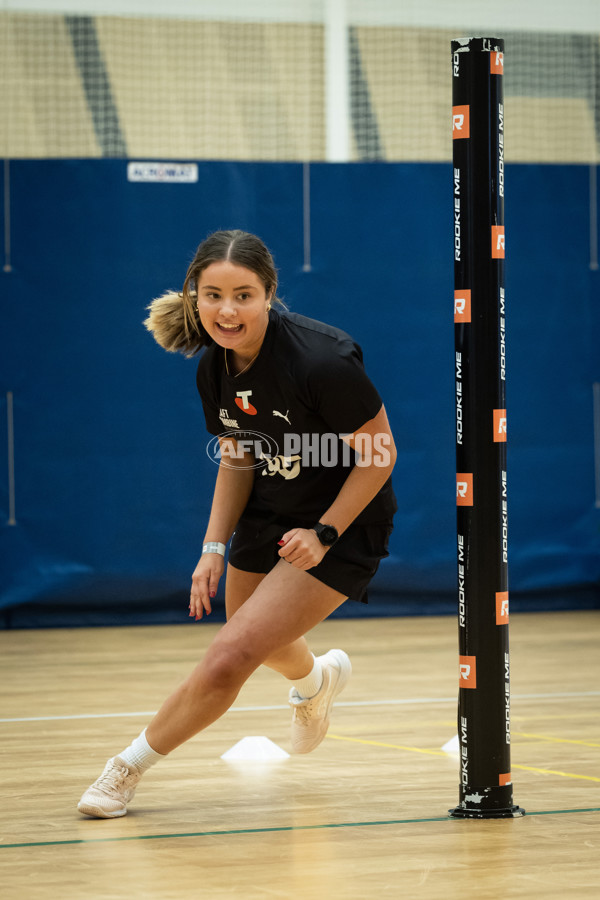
[213, 547]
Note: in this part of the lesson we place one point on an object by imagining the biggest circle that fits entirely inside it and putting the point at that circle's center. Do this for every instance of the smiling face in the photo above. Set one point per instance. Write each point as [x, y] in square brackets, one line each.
[232, 304]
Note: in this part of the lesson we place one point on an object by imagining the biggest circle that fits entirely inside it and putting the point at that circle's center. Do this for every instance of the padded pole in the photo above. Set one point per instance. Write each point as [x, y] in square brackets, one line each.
[481, 480]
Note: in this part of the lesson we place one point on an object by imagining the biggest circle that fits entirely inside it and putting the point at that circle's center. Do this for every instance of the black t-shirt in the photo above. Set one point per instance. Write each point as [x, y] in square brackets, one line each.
[305, 390]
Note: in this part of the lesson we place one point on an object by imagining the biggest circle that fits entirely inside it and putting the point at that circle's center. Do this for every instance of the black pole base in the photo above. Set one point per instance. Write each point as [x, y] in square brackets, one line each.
[459, 812]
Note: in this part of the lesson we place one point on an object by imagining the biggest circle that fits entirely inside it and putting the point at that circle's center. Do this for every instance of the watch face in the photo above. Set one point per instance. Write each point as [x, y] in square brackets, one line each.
[327, 534]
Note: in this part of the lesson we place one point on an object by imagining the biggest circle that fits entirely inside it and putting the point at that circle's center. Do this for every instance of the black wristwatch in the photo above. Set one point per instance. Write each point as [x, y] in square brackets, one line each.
[327, 534]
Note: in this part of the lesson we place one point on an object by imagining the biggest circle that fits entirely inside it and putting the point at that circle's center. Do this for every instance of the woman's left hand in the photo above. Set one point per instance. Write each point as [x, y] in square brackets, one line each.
[302, 548]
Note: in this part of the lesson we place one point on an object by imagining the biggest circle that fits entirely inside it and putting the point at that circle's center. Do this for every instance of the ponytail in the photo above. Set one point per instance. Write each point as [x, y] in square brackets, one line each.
[174, 323]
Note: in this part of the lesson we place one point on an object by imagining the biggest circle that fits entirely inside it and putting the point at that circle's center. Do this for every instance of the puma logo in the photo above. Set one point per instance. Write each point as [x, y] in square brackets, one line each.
[281, 415]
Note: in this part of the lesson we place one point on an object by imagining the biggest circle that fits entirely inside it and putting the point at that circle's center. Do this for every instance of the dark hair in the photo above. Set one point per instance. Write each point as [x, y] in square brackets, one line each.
[174, 320]
[238, 247]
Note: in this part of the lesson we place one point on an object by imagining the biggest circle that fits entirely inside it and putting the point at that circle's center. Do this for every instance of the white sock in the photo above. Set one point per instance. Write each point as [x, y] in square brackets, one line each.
[140, 754]
[308, 686]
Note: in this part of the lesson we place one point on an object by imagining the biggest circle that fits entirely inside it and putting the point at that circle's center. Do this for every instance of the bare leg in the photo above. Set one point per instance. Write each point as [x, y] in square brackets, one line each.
[270, 625]
[293, 661]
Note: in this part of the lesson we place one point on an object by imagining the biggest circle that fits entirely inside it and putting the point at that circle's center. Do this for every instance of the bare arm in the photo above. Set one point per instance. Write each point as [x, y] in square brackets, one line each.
[376, 449]
[232, 490]
[375, 446]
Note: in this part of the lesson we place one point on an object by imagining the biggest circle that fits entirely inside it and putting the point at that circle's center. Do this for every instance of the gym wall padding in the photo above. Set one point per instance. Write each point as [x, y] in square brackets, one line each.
[112, 481]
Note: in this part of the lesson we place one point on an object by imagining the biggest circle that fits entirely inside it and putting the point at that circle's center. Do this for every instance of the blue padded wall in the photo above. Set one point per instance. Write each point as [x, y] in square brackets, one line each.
[113, 484]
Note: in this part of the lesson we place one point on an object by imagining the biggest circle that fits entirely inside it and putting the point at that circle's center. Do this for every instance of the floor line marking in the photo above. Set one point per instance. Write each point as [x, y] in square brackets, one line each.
[414, 701]
[124, 715]
[556, 772]
[279, 829]
[554, 740]
[338, 737]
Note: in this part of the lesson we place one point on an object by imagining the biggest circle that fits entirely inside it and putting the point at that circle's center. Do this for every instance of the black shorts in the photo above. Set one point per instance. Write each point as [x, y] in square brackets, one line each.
[347, 567]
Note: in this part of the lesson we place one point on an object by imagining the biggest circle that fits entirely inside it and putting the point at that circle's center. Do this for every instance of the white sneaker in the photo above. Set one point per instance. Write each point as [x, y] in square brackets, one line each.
[108, 797]
[311, 717]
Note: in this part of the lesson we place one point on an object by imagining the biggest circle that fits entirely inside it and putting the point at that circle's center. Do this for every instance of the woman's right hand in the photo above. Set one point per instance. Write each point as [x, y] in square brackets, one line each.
[205, 581]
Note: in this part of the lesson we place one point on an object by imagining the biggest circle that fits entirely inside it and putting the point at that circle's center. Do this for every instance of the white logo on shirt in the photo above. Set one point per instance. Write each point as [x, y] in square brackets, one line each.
[242, 402]
[286, 466]
[226, 420]
[244, 398]
[281, 415]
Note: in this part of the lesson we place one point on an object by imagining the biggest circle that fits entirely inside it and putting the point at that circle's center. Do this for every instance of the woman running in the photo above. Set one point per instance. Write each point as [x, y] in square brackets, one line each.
[303, 492]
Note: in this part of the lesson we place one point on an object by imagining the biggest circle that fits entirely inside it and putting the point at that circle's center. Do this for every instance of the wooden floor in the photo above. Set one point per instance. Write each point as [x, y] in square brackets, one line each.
[364, 816]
